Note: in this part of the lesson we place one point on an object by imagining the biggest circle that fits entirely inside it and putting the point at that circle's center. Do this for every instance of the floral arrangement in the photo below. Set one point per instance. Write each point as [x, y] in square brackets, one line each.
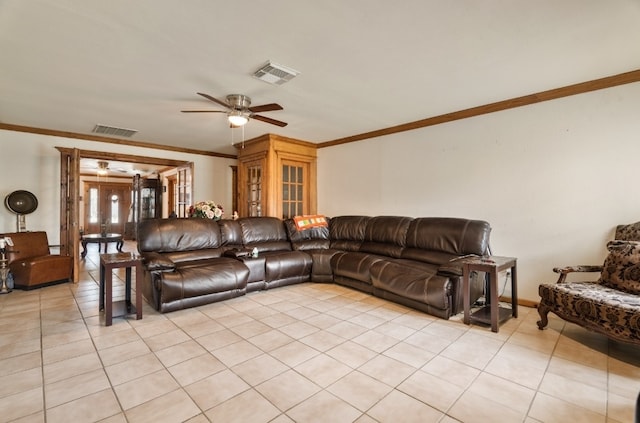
[206, 210]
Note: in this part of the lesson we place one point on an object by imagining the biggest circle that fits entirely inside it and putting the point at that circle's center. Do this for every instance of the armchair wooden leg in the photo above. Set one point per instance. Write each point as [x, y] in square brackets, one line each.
[543, 310]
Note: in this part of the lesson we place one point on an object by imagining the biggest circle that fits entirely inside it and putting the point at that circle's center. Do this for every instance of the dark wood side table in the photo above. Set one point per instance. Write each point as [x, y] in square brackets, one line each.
[99, 239]
[109, 262]
[492, 314]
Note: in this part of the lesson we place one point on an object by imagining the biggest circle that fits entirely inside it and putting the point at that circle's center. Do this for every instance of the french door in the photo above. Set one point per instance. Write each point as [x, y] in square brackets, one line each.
[107, 207]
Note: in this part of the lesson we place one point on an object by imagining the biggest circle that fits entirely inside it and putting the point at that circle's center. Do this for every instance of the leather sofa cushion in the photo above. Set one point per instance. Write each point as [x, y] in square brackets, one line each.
[321, 267]
[183, 256]
[27, 244]
[157, 262]
[311, 244]
[354, 265]
[448, 235]
[307, 239]
[231, 233]
[428, 256]
[419, 283]
[35, 271]
[171, 235]
[223, 274]
[385, 235]
[285, 264]
[347, 232]
[264, 233]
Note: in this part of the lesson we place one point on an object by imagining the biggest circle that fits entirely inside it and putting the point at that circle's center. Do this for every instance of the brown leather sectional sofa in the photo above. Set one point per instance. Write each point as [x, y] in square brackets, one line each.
[411, 261]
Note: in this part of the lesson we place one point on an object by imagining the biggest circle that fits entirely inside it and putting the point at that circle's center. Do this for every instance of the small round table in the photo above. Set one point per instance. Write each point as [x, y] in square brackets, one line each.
[99, 239]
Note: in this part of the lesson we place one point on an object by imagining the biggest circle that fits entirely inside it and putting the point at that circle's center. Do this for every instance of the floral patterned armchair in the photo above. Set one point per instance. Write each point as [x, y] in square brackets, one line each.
[609, 305]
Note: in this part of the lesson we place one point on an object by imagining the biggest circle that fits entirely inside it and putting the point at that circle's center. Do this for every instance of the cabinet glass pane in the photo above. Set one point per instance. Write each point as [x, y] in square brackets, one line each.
[254, 190]
[292, 191]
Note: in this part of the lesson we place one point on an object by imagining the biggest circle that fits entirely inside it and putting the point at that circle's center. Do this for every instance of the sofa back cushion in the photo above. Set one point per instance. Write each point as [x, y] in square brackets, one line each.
[177, 235]
[264, 233]
[433, 239]
[385, 235]
[347, 232]
[621, 269]
[231, 233]
[629, 232]
[314, 238]
[26, 245]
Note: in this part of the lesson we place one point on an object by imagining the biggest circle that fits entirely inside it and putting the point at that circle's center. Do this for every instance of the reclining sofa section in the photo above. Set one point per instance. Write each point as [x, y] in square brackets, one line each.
[411, 261]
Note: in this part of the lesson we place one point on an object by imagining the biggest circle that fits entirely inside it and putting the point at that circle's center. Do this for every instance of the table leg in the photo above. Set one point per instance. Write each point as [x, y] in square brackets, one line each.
[138, 291]
[101, 301]
[127, 287]
[493, 286]
[119, 245]
[466, 294]
[84, 249]
[108, 314]
[514, 291]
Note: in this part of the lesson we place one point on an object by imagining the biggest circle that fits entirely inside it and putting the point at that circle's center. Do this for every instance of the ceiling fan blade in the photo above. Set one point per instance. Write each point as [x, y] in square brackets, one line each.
[265, 108]
[215, 100]
[203, 111]
[269, 120]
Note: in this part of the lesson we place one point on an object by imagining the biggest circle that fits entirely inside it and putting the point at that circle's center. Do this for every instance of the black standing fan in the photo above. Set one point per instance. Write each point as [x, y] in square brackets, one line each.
[21, 203]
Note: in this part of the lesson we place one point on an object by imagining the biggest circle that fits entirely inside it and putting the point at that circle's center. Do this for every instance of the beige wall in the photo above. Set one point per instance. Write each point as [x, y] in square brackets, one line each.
[553, 179]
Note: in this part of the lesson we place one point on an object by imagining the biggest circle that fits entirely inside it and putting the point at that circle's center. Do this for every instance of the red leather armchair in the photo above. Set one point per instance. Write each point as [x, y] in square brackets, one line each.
[31, 262]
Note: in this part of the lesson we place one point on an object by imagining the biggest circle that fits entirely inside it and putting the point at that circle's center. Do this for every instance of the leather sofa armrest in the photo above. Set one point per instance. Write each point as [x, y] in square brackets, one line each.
[564, 271]
[450, 269]
[157, 262]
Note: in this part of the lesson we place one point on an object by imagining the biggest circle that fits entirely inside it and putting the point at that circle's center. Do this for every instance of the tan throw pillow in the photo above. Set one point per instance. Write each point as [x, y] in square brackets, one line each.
[621, 269]
[310, 221]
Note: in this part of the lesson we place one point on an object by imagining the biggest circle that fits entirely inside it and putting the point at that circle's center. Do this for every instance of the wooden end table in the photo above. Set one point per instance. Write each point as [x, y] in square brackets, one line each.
[108, 262]
[492, 314]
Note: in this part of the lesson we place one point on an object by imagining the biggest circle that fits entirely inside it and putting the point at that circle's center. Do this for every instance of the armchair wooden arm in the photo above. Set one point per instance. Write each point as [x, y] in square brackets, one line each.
[564, 271]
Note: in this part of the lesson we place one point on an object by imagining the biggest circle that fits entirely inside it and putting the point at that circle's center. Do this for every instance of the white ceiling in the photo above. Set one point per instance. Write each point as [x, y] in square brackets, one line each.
[365, 64]
[120, 169]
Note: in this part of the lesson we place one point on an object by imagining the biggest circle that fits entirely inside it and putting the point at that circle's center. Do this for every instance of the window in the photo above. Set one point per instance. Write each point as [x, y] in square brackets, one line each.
[115, 209]
[93, 205]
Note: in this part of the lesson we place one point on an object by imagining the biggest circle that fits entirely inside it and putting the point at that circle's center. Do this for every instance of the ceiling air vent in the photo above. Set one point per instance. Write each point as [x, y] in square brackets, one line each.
[275, 74]
[112, 130]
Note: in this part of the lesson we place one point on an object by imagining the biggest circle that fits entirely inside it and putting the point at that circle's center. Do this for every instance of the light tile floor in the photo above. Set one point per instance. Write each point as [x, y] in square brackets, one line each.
[304, 353]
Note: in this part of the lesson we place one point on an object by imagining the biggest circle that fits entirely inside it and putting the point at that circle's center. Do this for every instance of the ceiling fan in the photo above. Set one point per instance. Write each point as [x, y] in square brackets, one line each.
[239, 110]
[104, 168]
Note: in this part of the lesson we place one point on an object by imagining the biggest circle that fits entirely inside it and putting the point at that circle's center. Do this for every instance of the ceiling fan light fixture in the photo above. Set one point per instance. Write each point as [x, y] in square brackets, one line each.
[103, 167]
[237, 118]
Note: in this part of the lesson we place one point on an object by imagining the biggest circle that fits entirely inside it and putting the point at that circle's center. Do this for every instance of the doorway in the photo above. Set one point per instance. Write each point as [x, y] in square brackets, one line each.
[70, 182]
[106, 207]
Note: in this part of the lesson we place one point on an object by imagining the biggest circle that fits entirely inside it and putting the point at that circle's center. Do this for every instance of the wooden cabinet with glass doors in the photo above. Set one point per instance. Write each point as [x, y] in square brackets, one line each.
[277, 177]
